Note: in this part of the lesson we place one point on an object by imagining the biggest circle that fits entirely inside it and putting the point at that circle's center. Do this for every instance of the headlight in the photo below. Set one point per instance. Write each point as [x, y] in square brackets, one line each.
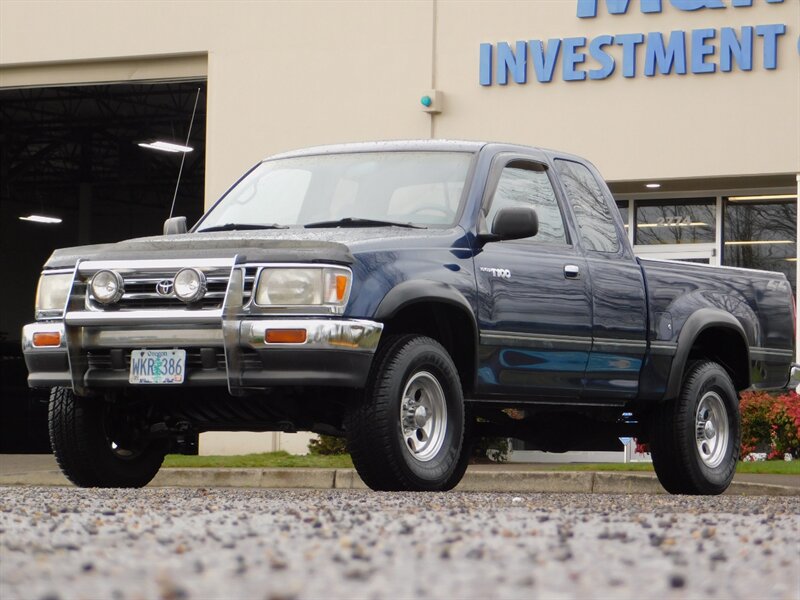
[328, 286]
[190, 285]
[107, 286]
[51, 294]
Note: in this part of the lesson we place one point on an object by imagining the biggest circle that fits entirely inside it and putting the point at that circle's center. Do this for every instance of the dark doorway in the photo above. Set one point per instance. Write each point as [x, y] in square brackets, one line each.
[72, 153]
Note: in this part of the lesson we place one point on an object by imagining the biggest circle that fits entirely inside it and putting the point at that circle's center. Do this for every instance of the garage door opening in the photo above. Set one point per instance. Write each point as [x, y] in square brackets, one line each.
[78, 165]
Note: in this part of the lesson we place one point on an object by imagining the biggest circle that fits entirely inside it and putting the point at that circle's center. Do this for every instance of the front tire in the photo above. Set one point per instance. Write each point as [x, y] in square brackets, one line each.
[97, 443]
[695, 439]
[407, 432]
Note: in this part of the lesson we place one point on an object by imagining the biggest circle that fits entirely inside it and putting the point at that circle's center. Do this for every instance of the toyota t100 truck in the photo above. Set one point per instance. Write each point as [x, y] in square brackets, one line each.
[411, 297]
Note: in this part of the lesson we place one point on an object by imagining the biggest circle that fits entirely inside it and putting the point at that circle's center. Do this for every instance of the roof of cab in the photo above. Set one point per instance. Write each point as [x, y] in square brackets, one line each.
[412, 146]
[385, 146]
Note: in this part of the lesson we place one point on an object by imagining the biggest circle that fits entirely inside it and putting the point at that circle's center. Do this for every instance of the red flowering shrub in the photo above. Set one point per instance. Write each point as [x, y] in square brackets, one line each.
[770, 424]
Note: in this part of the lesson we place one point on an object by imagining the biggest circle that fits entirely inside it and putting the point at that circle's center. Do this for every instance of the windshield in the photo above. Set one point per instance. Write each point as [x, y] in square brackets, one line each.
[372, 188]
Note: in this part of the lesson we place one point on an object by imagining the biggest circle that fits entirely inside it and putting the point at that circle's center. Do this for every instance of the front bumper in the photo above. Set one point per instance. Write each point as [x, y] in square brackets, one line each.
[95, 349]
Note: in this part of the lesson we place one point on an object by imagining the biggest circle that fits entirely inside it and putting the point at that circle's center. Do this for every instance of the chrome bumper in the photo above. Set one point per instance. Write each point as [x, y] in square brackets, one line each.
[94, 349]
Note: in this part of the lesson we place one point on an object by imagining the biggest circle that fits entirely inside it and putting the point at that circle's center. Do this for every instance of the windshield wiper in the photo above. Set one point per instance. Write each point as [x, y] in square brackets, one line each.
[358, 222]
[242, 227]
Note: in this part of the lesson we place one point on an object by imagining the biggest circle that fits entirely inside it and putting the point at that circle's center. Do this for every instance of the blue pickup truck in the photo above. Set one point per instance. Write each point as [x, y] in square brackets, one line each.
[411, 297]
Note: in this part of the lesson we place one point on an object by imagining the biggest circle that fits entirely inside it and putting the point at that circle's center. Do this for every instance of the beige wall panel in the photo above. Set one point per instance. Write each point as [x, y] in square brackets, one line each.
[659, 127]
[330, 73]
[289, 74]
[228, 443]
[48, 74]
[280, 74]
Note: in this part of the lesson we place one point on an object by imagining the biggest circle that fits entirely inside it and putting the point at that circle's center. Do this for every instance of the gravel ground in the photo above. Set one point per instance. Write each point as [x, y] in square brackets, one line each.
[267, 544]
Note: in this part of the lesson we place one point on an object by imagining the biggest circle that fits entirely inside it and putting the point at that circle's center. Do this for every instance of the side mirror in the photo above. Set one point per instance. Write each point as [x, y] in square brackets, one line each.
[513, 223]
[175, 225]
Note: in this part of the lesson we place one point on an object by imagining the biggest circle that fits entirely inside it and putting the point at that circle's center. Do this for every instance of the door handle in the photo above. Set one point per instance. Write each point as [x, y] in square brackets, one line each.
[572, 272]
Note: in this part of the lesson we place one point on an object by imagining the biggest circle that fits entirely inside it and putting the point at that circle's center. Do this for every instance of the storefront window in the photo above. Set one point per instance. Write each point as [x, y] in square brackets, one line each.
[622, 205]
[690, 221]
[761, 235]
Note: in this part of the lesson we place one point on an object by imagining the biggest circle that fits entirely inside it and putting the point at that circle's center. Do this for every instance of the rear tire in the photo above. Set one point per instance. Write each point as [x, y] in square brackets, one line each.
[96, 445]
[407, 432]
[694, 440]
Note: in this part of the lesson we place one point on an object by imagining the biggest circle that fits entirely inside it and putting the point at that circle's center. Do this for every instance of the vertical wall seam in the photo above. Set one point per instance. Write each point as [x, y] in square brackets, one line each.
[434, 40]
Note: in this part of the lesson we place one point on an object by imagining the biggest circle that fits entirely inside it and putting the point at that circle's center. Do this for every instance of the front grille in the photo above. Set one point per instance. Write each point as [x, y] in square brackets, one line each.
[140, 291]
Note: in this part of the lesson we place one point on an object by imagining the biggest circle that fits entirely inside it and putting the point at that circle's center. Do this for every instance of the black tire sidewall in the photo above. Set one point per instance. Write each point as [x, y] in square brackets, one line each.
[710, 377]
[82, 448]
[417, 356]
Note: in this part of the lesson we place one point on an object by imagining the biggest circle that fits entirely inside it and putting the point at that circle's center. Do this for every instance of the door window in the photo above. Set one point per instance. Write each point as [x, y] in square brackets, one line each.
[595, 222]
[525, 183]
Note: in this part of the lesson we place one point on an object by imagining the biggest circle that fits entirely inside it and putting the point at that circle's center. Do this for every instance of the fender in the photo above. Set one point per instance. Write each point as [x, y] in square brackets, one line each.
[415, 291]
[422, 290]
[698, 322]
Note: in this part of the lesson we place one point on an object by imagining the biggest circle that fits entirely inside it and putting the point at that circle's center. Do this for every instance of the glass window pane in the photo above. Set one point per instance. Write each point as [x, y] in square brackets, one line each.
[622, 206]
[690, 221]
[363, 185]
[588, 202]
[527, 184]
[762, 235]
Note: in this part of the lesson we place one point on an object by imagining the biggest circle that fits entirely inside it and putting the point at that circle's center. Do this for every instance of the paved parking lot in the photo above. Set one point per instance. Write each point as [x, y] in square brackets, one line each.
[268, 544]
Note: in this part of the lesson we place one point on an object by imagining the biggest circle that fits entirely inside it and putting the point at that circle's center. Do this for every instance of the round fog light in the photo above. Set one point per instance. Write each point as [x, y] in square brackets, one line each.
[190, 285]
[107, 287]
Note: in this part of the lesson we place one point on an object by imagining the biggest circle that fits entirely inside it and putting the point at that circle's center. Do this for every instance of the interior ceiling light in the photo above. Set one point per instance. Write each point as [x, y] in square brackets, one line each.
[766, 197]
[41, 219]
[693, 224]
[758, 242]
[652, 186]
[166, 146]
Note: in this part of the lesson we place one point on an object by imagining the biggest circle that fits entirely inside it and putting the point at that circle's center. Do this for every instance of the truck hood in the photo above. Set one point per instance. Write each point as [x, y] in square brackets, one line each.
[274, 245]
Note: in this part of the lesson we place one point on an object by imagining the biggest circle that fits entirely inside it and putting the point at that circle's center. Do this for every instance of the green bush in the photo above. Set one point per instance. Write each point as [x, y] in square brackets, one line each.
[770, 424]
[328, 445]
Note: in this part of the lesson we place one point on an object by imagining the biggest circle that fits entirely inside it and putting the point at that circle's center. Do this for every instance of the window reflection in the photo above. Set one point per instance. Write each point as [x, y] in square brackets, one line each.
[527, 184]
[762, 235]
[691, 221]
[589, 207]
[622, 205]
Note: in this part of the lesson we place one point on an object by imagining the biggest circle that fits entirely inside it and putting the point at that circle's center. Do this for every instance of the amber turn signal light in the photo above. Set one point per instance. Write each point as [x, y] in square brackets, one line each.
[285, 336]
[341, 287]
[46, 338]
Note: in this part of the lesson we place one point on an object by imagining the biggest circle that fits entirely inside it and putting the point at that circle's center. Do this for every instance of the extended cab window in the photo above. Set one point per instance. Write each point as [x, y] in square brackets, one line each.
[595, 222]
[525, 183]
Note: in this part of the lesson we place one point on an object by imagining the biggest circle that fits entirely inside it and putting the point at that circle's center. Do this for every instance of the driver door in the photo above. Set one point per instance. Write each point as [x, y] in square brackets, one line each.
[534, 294]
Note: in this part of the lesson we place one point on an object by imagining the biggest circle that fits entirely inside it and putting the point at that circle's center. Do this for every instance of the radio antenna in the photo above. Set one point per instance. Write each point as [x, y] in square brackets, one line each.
[183, 157]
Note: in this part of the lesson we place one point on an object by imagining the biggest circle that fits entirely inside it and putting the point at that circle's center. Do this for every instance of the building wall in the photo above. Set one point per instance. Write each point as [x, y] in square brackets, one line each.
[290, 74]
[283, 75]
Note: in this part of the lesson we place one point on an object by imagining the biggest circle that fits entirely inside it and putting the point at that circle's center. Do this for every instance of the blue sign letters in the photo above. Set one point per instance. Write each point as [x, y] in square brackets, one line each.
[699, 51]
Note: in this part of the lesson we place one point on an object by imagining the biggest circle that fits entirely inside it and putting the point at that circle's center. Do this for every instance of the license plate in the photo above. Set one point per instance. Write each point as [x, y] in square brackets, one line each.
[157, 366]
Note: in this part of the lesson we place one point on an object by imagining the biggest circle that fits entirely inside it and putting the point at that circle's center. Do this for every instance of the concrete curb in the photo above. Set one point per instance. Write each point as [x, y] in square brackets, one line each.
[578, 482]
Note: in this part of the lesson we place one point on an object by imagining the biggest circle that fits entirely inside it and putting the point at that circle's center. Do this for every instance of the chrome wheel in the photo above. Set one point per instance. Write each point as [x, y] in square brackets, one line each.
[423, 416]
[711, 429]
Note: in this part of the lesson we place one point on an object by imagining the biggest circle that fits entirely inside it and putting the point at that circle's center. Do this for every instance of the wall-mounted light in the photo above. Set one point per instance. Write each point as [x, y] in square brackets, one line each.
[432, 101]
[652, 186]
[166, 146]
[41, 219]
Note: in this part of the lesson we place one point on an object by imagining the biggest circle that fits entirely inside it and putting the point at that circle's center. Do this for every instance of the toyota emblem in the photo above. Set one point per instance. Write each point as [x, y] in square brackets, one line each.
[164, 287]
